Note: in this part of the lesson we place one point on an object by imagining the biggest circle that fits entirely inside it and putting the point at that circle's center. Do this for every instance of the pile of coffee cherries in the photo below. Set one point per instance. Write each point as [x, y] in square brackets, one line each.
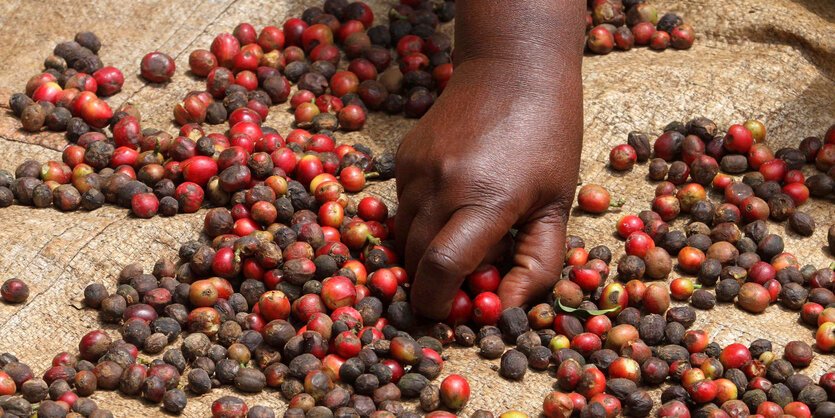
[307, 51]
[623, 24]
[152, 172]
[68, 92]
[729, 242]
[292, 291]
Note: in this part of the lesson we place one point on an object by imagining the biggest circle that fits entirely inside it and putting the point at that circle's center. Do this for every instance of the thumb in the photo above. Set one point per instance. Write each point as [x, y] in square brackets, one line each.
[538, 258]
[456, 251]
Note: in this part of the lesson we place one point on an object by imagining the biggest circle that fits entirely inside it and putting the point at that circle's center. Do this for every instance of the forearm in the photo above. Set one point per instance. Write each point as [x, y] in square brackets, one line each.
[523, 60]
[542, 36]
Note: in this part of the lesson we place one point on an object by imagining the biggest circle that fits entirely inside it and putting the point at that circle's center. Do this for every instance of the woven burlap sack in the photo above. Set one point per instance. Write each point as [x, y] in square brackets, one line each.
[772, 61]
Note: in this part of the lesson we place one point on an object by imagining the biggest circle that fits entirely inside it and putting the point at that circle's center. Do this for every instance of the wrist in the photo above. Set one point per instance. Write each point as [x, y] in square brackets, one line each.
[545, 34]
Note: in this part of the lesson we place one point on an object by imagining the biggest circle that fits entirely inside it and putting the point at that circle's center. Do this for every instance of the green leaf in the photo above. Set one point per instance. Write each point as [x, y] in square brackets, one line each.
[583, 313]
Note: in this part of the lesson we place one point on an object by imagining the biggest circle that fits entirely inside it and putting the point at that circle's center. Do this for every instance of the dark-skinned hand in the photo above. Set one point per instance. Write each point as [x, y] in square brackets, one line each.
[498, 150]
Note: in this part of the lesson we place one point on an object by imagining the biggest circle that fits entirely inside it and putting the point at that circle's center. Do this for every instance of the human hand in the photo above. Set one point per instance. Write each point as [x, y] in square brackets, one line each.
[495, 151]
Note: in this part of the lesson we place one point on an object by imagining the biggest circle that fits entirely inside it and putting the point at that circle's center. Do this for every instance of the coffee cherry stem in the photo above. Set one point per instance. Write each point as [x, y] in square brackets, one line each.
[620, 202]
[373, 240]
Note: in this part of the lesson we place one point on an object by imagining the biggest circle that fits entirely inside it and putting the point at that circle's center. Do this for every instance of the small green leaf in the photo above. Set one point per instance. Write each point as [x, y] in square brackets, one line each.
[583, 312]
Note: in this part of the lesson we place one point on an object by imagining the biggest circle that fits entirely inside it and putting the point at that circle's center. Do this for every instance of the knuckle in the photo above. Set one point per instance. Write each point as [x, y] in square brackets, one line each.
[557, 212]
[441, 261]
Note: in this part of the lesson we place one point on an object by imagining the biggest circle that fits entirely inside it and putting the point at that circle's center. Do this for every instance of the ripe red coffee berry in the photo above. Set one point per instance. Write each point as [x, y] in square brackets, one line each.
[774, 170]
[600, 40]
[643, 33]
[682, 37]
[7, 385]
[690, 259]
[351, 118]
[738, 139]
[681, 288]
[461, 309]
[586, 278]
[593, 198]
[144, 205]
[656, 299]
[293, 29]
[825, 337]
[629, 224]
[673, 408]
[794, 176]
[622, 157]
[557, 405]
[190, 196]
[659, 40]
[576, 257]
[245, 33]
[352, 178]
[157, 67]
[96, 112]
[734, 356]
[229, 406]
[14, 291]
[759, 154]
[703, 390]
[667, 206]
[485, 278]
[93, 345]
[638, 243]
[797, 409]
[455, 392]
[109, 80]
[199, 169]
[271, 38]
[753, 297]
[487, 308]
[598, 325]
[274, 305]
[383, 284]
[338, 292]
[201, 62]
[372, 209]
[225, 46]
[798, 192]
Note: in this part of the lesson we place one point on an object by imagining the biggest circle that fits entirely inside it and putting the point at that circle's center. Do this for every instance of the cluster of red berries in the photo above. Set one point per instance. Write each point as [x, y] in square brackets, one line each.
[298, 289]
[727, 246]
[68, 91]
[608, 340]
[623, 24]
[633, 337]
[253, 70]
[738, 246]
[152, 172]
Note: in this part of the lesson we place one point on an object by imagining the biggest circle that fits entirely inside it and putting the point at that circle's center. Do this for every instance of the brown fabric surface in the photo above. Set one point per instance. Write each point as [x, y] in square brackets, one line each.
[772, 61]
